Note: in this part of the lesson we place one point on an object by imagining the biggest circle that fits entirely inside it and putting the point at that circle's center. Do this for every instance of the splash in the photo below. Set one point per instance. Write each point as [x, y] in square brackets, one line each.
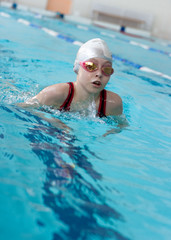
[12, 94]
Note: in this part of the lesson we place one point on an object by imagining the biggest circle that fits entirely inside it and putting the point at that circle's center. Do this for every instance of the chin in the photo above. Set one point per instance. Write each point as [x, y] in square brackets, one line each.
[95, 90]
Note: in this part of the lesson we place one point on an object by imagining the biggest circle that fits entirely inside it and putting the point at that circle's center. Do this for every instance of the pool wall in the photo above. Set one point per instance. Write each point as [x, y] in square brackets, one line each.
[160, 11]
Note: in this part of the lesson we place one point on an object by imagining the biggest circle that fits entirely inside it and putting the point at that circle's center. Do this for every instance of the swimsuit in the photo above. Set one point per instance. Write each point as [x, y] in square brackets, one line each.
[102, 105]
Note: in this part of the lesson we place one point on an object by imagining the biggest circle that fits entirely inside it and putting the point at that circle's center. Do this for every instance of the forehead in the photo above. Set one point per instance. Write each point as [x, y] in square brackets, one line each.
[101, 61]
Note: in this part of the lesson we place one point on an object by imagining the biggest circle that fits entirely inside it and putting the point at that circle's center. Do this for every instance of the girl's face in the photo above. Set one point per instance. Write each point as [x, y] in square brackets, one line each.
[94, 79]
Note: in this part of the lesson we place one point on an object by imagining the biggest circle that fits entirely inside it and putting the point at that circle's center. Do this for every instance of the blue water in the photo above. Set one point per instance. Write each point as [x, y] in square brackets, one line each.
[76, 184]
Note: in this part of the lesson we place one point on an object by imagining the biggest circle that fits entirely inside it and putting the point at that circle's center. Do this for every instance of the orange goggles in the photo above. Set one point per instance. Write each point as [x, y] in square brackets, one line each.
[92, 67]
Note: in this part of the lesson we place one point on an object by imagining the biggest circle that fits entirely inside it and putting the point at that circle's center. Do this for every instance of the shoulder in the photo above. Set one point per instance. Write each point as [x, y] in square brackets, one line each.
[114, 104]
[53, 95]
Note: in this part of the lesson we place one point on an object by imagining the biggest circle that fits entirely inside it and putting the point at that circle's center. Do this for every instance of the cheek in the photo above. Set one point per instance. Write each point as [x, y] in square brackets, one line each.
[106, 80]
[84, 75]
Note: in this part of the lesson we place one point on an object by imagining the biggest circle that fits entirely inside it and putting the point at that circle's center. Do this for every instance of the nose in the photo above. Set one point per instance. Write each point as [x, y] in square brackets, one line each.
[99, 73]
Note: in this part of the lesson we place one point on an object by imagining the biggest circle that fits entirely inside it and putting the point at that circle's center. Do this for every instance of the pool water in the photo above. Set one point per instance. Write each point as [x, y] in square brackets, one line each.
[57, 183]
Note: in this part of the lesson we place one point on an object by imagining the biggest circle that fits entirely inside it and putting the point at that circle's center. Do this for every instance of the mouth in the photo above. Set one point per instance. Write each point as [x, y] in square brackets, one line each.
[96, 83]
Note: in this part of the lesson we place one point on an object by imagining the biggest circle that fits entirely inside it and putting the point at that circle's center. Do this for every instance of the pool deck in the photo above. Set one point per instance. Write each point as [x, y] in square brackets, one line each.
[110, 26]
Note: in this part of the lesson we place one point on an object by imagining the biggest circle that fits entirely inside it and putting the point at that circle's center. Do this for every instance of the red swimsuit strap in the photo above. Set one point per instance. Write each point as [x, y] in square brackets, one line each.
[66, 105]
[102, 104]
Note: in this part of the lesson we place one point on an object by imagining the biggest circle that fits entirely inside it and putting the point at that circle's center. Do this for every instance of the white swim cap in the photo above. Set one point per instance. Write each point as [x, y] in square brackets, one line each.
[94, 48]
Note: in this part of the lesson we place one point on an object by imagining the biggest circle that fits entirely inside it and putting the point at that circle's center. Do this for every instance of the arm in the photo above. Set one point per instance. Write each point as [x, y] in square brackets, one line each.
[114, 106]
[51, 96]
[115, 109]
[54, 122]
[122, 123]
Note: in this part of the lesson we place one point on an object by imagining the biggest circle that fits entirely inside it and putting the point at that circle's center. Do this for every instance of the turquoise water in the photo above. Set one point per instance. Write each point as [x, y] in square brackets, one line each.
[120, 187]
